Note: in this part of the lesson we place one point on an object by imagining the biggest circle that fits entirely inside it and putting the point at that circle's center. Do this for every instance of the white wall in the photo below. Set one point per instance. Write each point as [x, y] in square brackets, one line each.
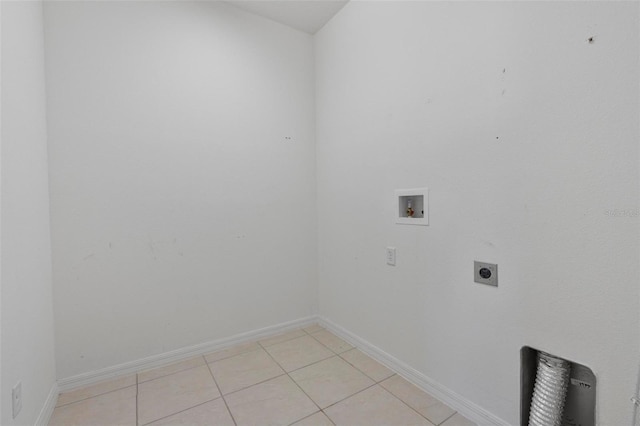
[526, 135]
[182, 176]
[27, 314]
[1, 386]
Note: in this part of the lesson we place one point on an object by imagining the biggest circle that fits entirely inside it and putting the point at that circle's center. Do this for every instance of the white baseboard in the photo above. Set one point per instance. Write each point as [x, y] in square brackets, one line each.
[462, 405]
[84, 379]
[49, 405]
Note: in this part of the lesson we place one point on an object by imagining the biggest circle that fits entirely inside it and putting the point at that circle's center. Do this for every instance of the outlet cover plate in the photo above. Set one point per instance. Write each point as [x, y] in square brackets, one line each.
[485, 273]
[391, 256]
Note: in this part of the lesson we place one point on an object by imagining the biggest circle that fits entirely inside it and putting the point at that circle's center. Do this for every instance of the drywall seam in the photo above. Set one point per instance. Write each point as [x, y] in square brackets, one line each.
[462, 405]
[91, 377]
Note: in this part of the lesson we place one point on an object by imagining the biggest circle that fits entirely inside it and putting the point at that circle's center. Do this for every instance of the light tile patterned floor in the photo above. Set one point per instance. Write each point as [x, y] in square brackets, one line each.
[306, 377]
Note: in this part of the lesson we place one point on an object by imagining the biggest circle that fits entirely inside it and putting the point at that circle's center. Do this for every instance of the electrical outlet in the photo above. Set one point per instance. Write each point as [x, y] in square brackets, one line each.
[485, 273]
[16, 395]
[391, 256]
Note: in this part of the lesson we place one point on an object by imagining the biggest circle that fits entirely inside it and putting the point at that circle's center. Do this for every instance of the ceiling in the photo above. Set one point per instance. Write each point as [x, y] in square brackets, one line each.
[305, 15]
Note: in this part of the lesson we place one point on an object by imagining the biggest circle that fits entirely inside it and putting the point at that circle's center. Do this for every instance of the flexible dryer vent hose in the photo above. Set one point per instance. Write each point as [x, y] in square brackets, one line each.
[550, 391]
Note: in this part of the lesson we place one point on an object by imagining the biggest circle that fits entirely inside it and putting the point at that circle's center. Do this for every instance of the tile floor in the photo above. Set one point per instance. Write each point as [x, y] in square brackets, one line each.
[303, 377]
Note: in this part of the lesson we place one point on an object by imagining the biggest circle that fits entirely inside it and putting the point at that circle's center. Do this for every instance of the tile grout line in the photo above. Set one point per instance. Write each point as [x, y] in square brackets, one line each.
[296, 383]
[186, 409]
[196, 366]
[306, 417]
[220, 391]
[169, 374]
[291, 378]
[260, 347]
[95, 396]
[354, 366]
[413, 409]
[337, 353]
[138, 382]
[338, 356]
[230, 356]
[385, 379]
[347, 397]
[137, 421]
[299, 337]
[255, 384]
[178, 412]
[257, 342]
[375, 382]
[311, 335]
[380, 381]
[285, 373]
[333, 354]
[447, 419]
[281, 334]
[137, 374]
[313, 363]
[310, 415]
[330, 419]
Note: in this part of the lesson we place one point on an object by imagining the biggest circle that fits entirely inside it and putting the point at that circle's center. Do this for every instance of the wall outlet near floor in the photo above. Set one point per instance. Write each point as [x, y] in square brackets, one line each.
[16, 395]
[391, 256]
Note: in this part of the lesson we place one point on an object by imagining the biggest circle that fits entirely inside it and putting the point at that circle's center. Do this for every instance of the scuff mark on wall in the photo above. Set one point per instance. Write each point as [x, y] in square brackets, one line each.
[151, 249]
[488, 243]
[502, 81]
[163, 247]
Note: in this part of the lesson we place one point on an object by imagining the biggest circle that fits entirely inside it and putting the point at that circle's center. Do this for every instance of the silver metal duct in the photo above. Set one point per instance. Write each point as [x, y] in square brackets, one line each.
[550, 391]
